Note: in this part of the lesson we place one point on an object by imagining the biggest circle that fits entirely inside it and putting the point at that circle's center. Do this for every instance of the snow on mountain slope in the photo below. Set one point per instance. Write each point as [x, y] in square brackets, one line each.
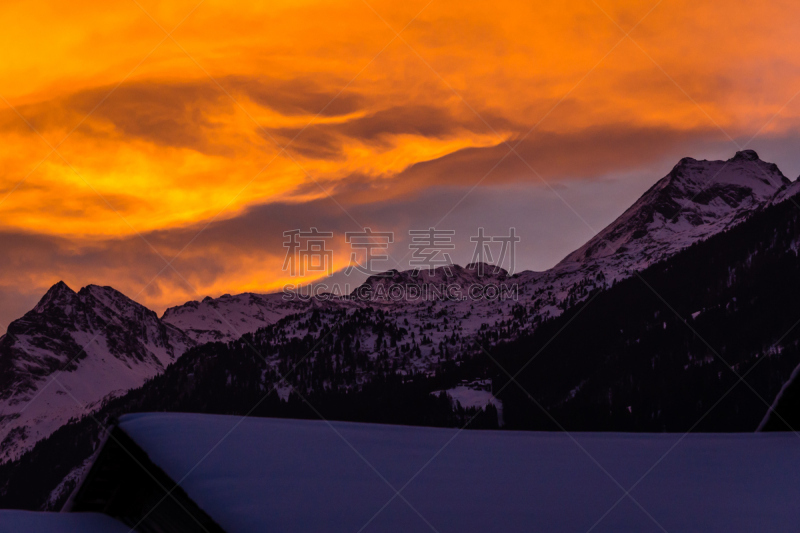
[96, 343]
[229, 317]
[695, 200]
[787, 192]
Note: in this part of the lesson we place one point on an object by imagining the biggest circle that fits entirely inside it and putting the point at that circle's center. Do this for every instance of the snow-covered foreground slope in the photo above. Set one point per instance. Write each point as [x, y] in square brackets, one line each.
[70, 352]
[290, 475]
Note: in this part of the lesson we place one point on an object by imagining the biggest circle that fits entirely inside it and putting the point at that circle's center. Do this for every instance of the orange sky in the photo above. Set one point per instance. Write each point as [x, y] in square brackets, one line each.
[112, 130]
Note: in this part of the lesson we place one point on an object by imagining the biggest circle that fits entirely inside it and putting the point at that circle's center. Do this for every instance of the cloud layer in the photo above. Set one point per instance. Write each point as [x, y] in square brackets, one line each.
[120, 142]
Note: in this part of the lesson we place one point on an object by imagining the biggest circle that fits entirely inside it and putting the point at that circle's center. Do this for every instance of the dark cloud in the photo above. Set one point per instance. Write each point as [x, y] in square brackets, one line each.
[192, 114]
[165, 114]
[299, 96]
[377, 128]
[589, 153]
[178, 114]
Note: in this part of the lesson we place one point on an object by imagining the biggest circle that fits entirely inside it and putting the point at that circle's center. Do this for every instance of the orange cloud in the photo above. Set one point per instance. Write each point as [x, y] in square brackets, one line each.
[156, 133]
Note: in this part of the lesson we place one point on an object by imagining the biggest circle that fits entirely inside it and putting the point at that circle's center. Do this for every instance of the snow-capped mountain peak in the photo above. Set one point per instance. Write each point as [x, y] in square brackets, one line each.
[96, 342]
[59, 295]
[697, 199]
[745, 170]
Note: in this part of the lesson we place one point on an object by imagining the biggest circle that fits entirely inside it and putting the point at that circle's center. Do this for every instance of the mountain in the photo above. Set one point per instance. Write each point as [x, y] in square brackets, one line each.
[229, 317]
[455, 277]
[75, 352]
[127, 344]
[72, 351]
[703, 341]
[325, 357]
[710, 356]
[695, 200]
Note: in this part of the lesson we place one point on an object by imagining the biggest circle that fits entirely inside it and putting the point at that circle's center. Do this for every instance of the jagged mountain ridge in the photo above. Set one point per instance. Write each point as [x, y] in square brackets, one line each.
[696, 200]
[97, 342]
[229, 317]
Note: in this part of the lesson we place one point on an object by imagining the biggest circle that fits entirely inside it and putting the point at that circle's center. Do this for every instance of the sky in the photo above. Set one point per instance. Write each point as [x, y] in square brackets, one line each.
[163, 148]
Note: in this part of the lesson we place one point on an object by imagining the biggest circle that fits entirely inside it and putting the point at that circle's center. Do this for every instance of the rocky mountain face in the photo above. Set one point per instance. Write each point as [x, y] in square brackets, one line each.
[229, 317]
[73, 350]
[696, 200]
[455, 277]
